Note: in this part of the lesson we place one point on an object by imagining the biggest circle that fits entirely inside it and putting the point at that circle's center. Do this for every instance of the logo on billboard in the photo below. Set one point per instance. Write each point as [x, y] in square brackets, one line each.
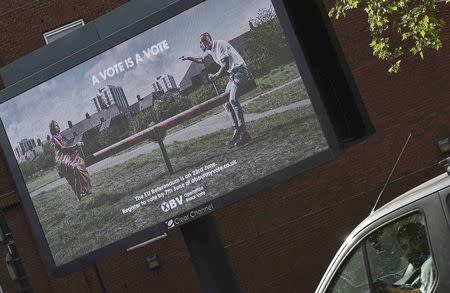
[172, 204]
[189, 216]
[165, 207]
[170, 224]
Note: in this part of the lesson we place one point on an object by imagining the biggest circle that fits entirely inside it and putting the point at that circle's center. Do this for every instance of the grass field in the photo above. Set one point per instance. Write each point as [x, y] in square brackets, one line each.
[75, 228]
[277, 77]
[40, 180]
[291, 93]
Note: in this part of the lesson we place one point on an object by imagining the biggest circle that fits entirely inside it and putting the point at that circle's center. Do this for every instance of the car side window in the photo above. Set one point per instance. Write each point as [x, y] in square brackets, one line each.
[393, 258]
[399, 257]
[352, 276]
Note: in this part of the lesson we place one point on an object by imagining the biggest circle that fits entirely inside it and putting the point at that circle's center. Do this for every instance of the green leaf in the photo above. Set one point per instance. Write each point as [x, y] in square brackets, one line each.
[416, 23]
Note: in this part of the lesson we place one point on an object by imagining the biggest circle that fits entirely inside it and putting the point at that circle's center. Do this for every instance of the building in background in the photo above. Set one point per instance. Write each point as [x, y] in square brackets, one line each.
[100, 103]
[164, 83]
[113, 111]
[27, 149]
[111, 95]
[119, 98]
[100, 120]
[142, 104]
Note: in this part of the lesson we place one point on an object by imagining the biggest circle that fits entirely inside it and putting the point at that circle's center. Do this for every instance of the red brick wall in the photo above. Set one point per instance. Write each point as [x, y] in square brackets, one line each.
[288, 234]
[23, 22]
[281, 239]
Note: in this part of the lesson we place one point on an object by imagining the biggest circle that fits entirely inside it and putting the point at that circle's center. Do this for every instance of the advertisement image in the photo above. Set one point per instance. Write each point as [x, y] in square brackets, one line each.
[186, 112]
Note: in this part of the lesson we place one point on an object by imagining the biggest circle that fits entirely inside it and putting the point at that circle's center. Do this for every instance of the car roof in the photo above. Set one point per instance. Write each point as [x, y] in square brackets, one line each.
[423, 190]
[429, 187]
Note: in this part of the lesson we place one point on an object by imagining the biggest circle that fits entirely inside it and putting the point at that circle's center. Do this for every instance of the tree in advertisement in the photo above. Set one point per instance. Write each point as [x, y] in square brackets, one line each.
[91, 142]
[117, 130]
[170, 106]
[267, 45]
[207, 90]
[166, 105]
[43, 162]
[397, 27]
[142, 120]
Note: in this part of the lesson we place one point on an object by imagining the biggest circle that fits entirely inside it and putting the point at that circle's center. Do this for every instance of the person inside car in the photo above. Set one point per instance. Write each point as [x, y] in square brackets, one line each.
[420, 275]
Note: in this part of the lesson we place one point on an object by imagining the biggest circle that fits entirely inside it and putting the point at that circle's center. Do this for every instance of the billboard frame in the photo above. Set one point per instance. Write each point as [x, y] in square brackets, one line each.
[220, 202]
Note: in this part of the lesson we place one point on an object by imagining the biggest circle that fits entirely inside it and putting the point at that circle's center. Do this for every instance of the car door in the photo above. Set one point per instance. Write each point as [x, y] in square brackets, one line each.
[380, 257]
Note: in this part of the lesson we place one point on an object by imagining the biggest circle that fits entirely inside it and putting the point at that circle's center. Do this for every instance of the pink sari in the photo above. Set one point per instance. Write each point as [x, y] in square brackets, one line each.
[71, 166]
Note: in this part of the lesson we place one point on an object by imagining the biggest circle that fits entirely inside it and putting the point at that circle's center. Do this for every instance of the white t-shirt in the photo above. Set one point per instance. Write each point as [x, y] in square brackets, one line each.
[221, 49]
[427, 276]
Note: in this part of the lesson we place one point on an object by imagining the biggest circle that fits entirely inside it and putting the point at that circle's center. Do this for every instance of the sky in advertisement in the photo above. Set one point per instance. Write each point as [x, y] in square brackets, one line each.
[68, 96]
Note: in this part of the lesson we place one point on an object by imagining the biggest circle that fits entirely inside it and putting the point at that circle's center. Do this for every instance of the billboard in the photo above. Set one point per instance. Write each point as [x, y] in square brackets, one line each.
[179, 120]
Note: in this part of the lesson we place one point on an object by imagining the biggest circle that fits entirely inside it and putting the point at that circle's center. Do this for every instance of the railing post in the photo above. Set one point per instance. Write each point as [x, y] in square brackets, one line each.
[159, 138]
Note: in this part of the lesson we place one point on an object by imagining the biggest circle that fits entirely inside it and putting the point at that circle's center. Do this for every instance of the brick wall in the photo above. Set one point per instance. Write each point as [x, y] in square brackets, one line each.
[23, 21]
[281, 239]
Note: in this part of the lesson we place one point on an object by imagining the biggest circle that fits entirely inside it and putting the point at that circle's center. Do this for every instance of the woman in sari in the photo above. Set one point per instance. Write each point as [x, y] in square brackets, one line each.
[69, 162]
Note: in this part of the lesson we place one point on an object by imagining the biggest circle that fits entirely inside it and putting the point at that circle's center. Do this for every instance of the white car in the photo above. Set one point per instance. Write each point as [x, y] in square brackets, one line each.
[402, 247]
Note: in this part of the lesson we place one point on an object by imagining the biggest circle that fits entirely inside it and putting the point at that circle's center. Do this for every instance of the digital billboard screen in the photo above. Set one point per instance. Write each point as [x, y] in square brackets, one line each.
[177, 121]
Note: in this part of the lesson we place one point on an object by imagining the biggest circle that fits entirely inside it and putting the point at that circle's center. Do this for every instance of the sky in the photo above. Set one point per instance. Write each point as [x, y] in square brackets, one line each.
[68, 95]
